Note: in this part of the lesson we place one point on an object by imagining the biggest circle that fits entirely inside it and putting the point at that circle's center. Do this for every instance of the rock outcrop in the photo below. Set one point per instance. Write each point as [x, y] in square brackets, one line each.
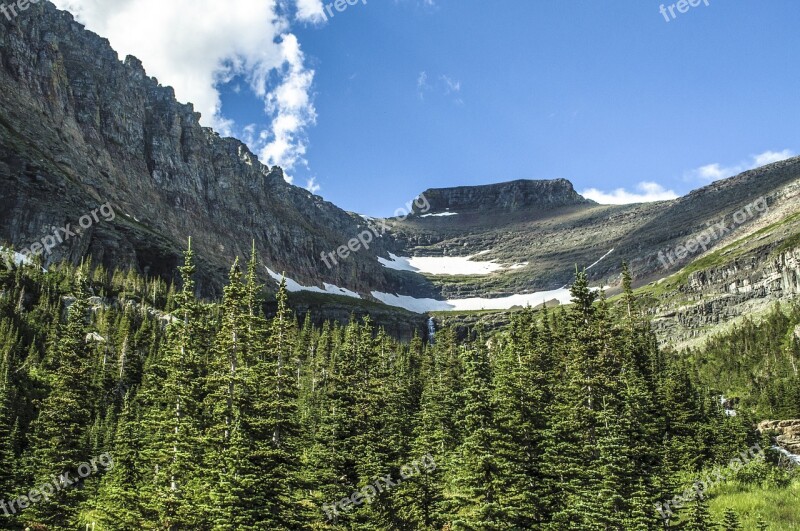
[787, 433]
[721, 295]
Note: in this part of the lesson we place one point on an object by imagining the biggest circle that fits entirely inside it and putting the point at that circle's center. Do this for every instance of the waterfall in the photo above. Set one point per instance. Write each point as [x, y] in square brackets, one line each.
[794, 459]
[431, 330]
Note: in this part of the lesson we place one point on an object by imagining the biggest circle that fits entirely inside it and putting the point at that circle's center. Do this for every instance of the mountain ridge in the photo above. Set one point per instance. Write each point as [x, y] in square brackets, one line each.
[79, 127]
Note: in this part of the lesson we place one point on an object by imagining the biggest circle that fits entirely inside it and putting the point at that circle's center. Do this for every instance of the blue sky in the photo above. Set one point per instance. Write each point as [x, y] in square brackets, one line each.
[404, 95]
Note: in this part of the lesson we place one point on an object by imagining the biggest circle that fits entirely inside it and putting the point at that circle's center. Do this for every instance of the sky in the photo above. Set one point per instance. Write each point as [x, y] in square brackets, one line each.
[372, 105]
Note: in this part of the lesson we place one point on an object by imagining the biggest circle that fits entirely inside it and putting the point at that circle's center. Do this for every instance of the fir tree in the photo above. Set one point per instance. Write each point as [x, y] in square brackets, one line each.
[58, 443]
[730, 521]
[173, 450]
[698, 518]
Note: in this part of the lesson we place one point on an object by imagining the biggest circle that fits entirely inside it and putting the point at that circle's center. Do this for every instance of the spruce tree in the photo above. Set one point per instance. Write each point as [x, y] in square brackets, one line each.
[730, 521]
[120, 501]
[274, 422]
[698, 517]
[476, 484]
[58, 442]
[176, 493]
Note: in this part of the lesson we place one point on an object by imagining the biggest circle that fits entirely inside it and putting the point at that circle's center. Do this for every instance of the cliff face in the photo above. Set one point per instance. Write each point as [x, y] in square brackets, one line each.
[79, 128]
[720, 295]
[510, 196]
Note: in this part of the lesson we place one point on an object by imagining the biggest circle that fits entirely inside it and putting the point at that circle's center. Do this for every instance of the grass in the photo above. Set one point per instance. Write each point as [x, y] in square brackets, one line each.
[779, 507]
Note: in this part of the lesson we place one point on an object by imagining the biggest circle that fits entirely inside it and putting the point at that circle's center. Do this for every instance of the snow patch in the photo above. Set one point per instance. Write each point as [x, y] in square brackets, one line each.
[94, 336]
[440, 215]
[398, 263]
[18, 258]
[601, 259]
[411, 304]
[294, 286]
[442, 265]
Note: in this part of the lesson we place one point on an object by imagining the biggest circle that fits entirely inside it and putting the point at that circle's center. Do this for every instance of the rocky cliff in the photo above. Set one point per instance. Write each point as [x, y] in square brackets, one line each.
[79, 128]
[510, 196]
[719, 296]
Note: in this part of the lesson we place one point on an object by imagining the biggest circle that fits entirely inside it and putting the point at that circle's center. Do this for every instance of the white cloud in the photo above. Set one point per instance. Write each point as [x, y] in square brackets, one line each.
[648, 192]
[422, 84]
[768, 157]
[716, 171]
[451, 85]
[312, 186]
[290, 104]
[194, 45]
[310, 11]
[444, 84]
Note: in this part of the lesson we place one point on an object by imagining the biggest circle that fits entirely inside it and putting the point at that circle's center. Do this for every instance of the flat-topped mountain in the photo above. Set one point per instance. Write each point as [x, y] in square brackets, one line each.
[509, 196]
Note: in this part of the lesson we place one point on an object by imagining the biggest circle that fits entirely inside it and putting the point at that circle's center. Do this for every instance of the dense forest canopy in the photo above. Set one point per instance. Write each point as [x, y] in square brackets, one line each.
[127, 404]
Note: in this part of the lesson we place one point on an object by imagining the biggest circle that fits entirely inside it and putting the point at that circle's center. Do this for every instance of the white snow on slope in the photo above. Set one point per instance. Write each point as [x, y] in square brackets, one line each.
[601, 259]
[441, 215]
[411, 304]
[441, 265]
[294, 286]
[19, 259]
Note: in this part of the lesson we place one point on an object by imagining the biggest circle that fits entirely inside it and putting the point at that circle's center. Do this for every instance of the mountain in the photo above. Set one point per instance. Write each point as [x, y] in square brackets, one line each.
[552, 236]
[79, 129]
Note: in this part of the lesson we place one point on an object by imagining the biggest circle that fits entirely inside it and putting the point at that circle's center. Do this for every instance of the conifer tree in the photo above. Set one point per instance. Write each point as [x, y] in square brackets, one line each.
[173, 451]
[228, 438]
[570, 458]
[521, 396]
[698, 517]
[476, 484]
[8, 419]
[120, 503]
[435, 431]
[57, 441]
[274, 422]
[730, 521]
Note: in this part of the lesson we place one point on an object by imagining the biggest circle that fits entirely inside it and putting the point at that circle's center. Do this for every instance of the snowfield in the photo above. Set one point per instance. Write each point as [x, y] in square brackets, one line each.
[442, 265]
[294, 286]
[432, 305]
[411, 304]
[446, 265]
[440, 215]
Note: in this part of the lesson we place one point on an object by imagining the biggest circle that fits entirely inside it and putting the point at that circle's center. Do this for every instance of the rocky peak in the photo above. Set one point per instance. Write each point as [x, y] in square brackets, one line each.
[79, 127]
[509, 196]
